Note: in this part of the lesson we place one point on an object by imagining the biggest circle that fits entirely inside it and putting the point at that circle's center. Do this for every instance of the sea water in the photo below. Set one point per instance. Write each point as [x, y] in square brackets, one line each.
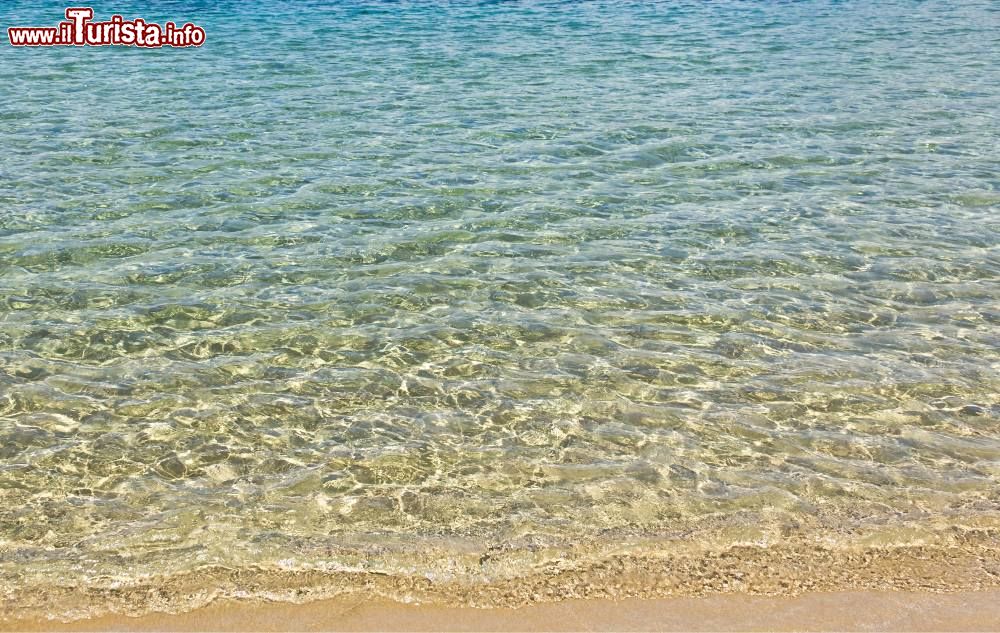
[468, 293]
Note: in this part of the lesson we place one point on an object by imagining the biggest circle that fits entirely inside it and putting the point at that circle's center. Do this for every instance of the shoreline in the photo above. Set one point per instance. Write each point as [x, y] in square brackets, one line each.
[814, 611]
[786, 573]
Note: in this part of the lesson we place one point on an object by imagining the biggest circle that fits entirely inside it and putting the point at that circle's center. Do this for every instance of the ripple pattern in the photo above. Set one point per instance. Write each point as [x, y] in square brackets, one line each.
[357, 276]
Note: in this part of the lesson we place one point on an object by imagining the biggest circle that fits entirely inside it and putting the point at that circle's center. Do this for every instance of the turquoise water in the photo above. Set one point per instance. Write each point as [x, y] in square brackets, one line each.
[393, 287]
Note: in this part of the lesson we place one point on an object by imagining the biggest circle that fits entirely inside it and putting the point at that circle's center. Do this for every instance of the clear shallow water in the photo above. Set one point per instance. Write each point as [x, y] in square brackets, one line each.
[513, 282]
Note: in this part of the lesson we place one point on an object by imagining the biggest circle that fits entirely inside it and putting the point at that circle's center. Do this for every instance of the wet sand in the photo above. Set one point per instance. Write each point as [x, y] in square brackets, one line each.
[864, 611]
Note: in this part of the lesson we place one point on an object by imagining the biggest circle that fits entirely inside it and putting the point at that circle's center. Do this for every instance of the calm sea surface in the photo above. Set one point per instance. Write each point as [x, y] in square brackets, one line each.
[454, 290]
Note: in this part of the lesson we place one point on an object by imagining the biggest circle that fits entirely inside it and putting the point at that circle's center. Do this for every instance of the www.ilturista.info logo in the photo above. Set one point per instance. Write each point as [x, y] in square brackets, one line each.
[80, 30]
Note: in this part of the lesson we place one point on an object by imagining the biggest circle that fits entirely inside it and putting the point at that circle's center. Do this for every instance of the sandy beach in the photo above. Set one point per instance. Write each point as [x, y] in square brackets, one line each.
[856, 611]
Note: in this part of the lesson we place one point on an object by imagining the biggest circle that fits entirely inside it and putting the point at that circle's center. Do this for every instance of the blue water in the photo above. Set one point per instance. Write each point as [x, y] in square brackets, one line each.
[455, 290]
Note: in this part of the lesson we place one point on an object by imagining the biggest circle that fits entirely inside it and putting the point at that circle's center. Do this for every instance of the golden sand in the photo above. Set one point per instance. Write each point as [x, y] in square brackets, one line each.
[820, 611]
